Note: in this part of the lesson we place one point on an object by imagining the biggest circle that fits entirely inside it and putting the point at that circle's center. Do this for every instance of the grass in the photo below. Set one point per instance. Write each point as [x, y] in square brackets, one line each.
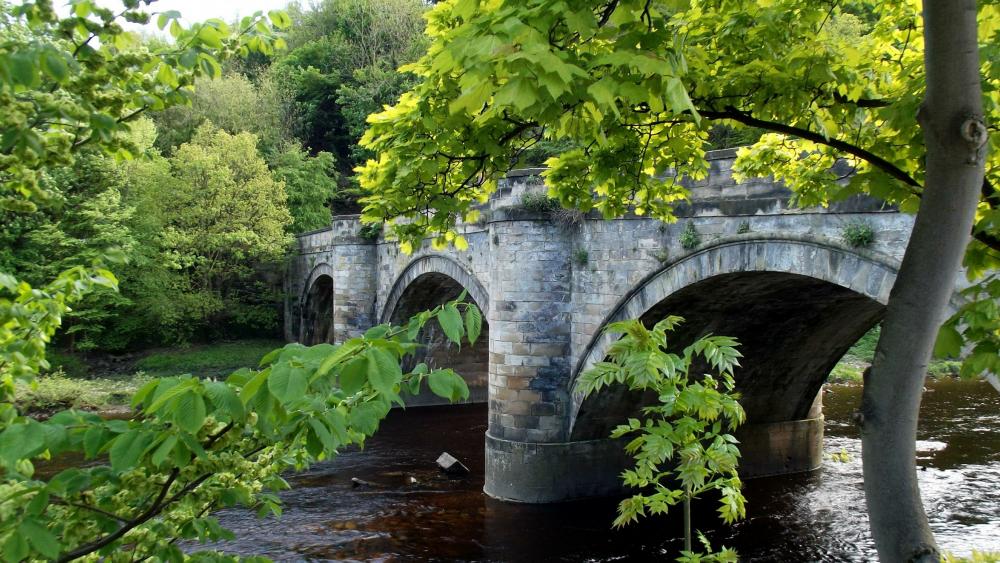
[69, 386]
[55, 392]
[852, 366]
[208, 359]
[975, 557]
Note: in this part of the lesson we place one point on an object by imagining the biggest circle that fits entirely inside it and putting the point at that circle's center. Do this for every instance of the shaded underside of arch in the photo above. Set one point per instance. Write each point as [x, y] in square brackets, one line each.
[425, 291]
[317, 311]
[434, 264]
[795, 306]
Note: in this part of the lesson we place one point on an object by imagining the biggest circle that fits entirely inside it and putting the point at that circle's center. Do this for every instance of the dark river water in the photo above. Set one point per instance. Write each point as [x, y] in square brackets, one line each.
[810, 517]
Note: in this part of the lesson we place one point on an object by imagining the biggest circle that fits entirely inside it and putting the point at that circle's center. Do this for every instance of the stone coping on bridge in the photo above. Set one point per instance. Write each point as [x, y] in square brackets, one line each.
[719, 194]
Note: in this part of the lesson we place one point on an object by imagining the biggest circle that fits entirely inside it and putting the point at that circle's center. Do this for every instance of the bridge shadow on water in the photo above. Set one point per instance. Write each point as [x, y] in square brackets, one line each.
[808, 517]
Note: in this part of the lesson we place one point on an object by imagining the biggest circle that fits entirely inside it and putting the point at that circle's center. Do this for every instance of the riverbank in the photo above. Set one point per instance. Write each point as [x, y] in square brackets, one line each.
[105, 383]
[851, 368]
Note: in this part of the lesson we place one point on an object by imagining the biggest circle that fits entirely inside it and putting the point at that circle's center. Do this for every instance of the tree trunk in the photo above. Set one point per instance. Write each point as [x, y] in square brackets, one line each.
[954, 133]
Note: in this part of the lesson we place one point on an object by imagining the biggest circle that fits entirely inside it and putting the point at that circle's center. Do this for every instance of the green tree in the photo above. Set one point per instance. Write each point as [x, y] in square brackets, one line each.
[341, 67]
[65, 84]
[197, 445]
[636, 86]
[311, 185]
[86, 220]
[224, 218]
[683, 447]
[234, 104]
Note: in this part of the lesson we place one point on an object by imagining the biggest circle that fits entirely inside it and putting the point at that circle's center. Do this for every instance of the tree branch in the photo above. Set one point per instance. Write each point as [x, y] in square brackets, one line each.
[882, 164]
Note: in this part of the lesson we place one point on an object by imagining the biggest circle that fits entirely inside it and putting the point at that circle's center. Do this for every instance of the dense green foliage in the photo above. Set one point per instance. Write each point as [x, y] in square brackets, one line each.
[195, 445]
[341, 66]
[683, 446]
[634, 90]
[299, 110]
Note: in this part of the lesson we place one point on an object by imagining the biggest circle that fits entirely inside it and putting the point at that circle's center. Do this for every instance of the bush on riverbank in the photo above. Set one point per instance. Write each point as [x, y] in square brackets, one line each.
[55, 392]
[851, 368]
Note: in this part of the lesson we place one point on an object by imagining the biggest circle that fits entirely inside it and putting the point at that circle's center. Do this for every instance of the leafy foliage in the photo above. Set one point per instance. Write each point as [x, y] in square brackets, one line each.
[682, 447]
[690, 238]
[341, 67]
[859, 234]
[196, 445]
[634, 90]
[536, 202]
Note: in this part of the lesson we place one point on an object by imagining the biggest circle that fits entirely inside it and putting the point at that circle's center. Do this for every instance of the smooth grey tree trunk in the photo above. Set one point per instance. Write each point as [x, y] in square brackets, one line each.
[954, 133]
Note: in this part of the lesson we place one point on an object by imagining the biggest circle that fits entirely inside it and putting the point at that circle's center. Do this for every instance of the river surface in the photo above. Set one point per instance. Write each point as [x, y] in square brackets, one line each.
[818, 516]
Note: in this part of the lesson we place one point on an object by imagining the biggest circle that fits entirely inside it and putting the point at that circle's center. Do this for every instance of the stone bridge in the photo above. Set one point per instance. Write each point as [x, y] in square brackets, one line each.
[780, 279]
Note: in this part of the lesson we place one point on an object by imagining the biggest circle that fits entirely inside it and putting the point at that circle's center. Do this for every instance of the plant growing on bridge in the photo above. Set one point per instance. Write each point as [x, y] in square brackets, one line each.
[683, 447]
[690, 238]
[197, 445]
[858, 234]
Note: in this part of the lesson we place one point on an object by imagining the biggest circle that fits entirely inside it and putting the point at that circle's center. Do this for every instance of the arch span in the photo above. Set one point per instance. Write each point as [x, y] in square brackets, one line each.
[316, 318]
[796, 305]
[434, 264]
[428, 282]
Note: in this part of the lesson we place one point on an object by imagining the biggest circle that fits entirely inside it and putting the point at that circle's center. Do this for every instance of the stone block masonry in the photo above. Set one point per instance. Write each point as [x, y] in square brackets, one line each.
[782, 280]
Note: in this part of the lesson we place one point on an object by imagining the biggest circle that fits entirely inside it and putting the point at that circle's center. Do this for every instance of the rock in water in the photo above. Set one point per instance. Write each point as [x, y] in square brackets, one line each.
[450, 465]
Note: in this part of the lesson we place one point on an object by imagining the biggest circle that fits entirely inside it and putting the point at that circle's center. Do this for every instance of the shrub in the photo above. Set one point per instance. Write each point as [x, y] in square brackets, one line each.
[537, 202]
[683, 446]
[690, 238]
[743, 228]
[581, 256]
[371, 231]
[858, 234]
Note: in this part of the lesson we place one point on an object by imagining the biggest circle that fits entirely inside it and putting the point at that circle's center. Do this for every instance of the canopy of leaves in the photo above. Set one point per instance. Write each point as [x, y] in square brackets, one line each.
[634, 88]
[197, 445]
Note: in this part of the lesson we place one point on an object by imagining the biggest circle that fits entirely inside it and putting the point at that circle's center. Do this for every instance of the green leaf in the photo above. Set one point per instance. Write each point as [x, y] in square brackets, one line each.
[280, 19]
[250, 390]
[128, 448]
[451, 323]
[22, 68]
[364, 418]
[21, 441]
[189, 412]
[354, 375]
[163, 450]
[323, 433]
[287, 382]
[383, 371]
[448, 384]
[93, 439]
[44, 541]
[55, 65]
[15, 549]
[338, 355]
[473, 322]
[225, 399]
[949, 342]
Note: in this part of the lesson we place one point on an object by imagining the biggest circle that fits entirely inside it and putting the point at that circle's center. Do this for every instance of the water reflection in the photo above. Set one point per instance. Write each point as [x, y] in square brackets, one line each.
[814, 517]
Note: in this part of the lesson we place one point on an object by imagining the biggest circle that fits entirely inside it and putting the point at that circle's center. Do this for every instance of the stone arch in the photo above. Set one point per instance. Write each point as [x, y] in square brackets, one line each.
[796, 304]
[434, 264]
[428, 282]
[316, 314]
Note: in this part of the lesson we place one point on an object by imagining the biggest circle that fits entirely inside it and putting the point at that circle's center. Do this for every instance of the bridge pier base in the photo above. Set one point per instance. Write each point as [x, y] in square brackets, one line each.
[552, 472]
[779, 448]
